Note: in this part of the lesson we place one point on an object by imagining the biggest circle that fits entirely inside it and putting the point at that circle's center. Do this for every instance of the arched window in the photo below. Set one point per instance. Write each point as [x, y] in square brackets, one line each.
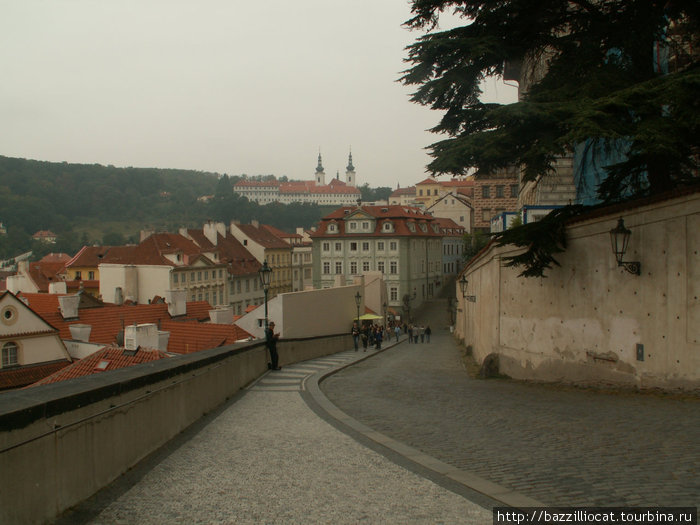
[10, 352]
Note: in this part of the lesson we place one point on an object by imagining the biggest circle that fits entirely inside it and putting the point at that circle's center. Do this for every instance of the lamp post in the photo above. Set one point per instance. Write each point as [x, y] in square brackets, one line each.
[358, 300]
[386, 322]
[265, 274]
[619, 239]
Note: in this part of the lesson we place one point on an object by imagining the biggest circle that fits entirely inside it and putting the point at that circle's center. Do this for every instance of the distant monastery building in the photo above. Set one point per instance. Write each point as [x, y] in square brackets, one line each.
[335, 193]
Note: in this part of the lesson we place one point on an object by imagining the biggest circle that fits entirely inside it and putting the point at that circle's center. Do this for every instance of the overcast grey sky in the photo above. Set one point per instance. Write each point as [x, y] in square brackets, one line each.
[228, 86]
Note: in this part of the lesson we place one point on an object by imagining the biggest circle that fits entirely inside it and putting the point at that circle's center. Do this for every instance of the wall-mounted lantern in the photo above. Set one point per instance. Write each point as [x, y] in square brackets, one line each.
[619, 239]
[463, 287]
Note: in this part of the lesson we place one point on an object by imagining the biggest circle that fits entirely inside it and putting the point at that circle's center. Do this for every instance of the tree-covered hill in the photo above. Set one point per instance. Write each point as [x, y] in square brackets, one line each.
[91, 203]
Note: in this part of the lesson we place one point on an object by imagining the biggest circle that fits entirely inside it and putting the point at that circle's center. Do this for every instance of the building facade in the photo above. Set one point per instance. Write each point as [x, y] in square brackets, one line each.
[335, 193]
[494, 194]
[402, 243]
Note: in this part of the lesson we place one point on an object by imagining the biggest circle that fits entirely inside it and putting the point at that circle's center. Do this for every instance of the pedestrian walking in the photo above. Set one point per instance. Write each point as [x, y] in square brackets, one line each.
[428, 331]
[410, 333]
[397, 332]
[378, 338]
[421, 331]
[365, 337]
[271, 343]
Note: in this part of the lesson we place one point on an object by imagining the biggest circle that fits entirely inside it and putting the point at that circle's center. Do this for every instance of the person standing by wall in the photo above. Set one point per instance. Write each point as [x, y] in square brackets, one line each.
[428, 331]
[271, 343]
[356, 335]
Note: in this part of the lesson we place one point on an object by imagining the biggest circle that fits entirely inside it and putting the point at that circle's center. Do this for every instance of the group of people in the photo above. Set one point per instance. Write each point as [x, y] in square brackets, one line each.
[369, 335]
[419, 332]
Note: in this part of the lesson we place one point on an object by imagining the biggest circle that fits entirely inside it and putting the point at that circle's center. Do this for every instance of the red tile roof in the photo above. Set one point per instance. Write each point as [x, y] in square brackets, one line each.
[88, 256]
[399, 216]
[105, 360]
[26, 375]
[262, 236]
[398, 192]
[188, 336]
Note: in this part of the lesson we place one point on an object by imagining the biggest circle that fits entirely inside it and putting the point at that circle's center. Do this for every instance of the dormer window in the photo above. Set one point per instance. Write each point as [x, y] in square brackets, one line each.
[353, 225]
[332, 228]
[412, 227]
[423, 227]
[387, 227]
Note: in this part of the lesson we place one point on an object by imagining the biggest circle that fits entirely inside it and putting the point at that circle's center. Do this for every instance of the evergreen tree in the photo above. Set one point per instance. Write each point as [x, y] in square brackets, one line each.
[621, 74]
[600, 81]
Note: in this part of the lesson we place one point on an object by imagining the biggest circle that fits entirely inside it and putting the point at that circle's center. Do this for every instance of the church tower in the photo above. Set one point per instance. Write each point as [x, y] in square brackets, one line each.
[320, 174]
[350, 172]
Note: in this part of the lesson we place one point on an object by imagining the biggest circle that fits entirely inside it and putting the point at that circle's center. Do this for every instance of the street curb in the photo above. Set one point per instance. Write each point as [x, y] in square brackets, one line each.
[448, 474]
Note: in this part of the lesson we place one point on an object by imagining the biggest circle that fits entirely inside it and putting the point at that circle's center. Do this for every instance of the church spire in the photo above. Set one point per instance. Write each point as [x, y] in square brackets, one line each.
[319, 168]
[350, 166]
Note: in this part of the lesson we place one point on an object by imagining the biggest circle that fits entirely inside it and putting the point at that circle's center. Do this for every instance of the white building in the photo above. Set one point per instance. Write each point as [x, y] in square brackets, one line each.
[335, 193]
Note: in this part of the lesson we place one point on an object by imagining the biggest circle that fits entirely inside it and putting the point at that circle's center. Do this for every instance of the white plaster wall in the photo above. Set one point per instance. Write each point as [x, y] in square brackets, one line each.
[308, 313]
[582, 323]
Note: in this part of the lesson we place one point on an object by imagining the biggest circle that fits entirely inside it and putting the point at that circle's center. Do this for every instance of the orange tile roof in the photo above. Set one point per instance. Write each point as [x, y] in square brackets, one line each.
[26, 375]
[403, 191]
[105, 360]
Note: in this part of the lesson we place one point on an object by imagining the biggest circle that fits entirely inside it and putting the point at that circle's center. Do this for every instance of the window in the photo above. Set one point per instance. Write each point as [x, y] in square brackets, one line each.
[353, 267]
[380, 266]
[338, 267]
[420, 193]
[353, 246]
[338, 247]
[461, 218]
[365, 246]
[514, 191]
[78, 275]
[393, 267]
[326, 247]
[175, 278]
[380, 246]
[393, 294]
[247, 285]
[9, 354]
[500, 192]
[365, 225]
[331, 228]
[206, 275]
[388, 227]
[192, 279]
[326, 268]
[199, 276]
[91, 276]
[353, 225]
[435, 192]
[365, 266]
[238, 286]
[392, 246]
[485, 192]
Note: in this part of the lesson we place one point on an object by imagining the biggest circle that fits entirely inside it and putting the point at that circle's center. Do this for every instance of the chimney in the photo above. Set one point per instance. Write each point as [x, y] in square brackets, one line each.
[58, 287]
[118, 296]
[177, 302]
[163, 338]
[68, 304]
[222, 315]
[210, 232]
[145, 335]
[80, 332]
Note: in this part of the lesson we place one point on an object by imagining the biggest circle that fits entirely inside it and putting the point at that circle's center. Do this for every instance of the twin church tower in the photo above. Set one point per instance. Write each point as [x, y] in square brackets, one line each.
[349, 173]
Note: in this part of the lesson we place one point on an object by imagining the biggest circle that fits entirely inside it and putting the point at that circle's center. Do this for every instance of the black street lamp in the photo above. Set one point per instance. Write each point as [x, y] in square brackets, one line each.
[358, 300]
[463, 287]
[265, 274]
[384, 309]
[619, 239]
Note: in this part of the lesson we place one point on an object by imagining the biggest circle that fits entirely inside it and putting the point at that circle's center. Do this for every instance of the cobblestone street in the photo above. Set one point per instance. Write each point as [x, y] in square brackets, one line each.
[558, 445]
